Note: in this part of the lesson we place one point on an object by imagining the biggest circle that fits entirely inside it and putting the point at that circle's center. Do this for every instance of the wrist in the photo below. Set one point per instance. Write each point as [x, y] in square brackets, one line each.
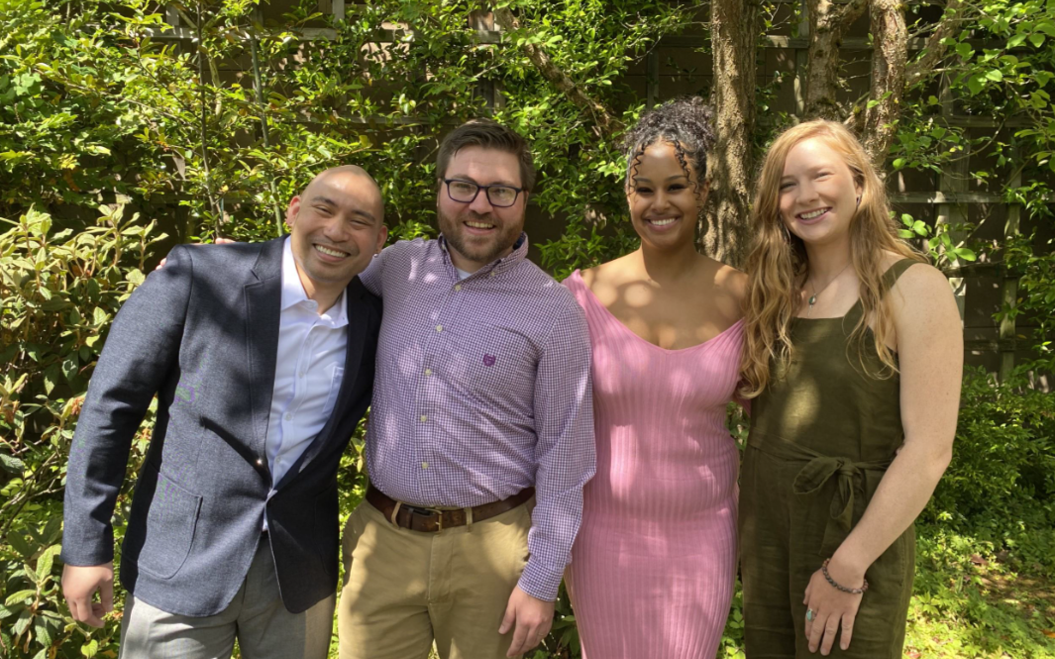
[847, 569]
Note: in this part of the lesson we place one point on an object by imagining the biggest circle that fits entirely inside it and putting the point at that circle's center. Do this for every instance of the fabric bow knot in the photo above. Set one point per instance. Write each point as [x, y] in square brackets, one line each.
[812, 478]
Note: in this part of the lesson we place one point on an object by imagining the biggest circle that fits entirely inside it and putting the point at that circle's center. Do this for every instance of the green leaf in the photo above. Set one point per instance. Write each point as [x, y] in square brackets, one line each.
[43, 635]
[20, 596]
[898, 163]
[99, 316]
[11, 463]
[976, 84]
[995, 75]
[51, 377]
[46, 560]
[70, 367]
[964, 254]
[964, 50]
[135, 277]
[90, 649]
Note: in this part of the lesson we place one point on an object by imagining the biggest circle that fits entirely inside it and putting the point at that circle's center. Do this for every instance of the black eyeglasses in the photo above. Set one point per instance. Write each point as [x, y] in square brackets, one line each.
[464, 192]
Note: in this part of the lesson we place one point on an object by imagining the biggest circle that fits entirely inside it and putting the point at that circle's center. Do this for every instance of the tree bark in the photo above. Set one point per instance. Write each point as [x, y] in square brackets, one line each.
[734, 35]
[609, 125]
[828, 24]
[889, 56]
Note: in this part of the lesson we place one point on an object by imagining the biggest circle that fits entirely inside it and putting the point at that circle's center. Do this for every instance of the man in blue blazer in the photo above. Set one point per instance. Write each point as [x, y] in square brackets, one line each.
[262, 360]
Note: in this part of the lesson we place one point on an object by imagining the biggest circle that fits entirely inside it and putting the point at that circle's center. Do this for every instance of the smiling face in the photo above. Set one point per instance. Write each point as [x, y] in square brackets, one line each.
[818, 194]
[335, 229]
[664, 202]
[477, 233]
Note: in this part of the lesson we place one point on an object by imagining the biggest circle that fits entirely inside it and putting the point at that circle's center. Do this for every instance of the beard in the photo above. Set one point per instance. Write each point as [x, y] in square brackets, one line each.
[479, 249]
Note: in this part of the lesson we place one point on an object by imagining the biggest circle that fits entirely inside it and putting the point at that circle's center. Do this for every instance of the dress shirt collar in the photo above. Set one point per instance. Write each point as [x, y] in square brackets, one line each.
[519, 253]
[293, 292]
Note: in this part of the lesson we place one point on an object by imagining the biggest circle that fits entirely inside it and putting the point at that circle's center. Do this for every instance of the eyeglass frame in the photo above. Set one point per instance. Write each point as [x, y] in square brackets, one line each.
[487, 191]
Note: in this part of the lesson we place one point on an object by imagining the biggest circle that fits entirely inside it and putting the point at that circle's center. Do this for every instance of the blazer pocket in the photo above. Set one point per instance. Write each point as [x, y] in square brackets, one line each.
[169, 529]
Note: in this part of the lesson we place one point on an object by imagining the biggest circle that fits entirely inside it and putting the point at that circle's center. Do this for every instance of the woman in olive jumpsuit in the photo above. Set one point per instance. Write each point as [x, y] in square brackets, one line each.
[853, 349]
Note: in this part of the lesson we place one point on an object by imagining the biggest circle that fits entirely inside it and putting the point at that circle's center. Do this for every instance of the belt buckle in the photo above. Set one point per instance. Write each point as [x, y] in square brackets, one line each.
[421, 510]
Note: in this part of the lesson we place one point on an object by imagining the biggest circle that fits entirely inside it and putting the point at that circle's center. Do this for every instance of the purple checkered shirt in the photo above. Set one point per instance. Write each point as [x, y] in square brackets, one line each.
[483, 389]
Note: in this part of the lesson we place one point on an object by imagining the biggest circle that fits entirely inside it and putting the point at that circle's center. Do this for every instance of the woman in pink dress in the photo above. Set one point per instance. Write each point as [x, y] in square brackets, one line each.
[654, 564]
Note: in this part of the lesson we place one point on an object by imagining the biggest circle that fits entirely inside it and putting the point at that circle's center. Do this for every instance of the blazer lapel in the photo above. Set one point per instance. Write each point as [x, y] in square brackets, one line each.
[263, 300]
[359, 313]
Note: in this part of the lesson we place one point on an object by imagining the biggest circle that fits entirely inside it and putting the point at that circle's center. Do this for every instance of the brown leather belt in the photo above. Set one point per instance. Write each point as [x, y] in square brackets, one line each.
[432, 520]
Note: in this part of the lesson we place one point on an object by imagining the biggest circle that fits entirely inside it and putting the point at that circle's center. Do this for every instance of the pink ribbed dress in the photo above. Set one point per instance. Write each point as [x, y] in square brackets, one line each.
[654, 565]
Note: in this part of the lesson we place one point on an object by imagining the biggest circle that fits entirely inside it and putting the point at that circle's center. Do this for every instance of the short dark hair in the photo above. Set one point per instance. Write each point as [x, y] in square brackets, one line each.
[487, 134]
[685, 123]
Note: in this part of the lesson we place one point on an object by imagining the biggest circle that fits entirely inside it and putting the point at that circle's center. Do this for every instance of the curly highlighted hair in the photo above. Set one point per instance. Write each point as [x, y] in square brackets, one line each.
[685, 123]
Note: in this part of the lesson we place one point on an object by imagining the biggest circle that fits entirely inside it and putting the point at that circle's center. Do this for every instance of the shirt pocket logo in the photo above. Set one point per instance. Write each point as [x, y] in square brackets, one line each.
[489, 360]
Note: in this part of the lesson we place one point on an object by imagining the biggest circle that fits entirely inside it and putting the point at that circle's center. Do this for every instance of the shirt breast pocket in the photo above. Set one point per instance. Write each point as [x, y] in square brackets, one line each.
[335, 389]
[497, 361]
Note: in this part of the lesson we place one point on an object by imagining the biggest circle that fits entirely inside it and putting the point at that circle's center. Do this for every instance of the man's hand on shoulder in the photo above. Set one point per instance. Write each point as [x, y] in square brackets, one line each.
[79, 585]
[219, 241]
[529, 617]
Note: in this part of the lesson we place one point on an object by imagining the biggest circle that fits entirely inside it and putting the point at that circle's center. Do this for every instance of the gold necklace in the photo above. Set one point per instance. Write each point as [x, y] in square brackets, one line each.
[813, 298]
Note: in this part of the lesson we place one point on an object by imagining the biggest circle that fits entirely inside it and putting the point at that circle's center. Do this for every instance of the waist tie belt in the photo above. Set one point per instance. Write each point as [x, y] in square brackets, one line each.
[818, 470]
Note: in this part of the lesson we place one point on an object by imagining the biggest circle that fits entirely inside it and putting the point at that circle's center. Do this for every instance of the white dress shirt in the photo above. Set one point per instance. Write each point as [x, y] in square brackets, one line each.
[308, 370]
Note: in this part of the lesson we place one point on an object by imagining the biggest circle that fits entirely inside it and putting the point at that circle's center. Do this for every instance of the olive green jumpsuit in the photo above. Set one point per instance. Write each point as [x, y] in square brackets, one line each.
[822, 435]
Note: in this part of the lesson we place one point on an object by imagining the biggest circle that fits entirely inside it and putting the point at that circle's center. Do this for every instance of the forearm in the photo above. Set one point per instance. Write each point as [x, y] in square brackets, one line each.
[901, 496]
[555, 523]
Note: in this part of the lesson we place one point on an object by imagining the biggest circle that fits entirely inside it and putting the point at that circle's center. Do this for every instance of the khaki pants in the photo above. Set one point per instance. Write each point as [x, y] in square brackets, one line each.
[405, 589]
[263, 626]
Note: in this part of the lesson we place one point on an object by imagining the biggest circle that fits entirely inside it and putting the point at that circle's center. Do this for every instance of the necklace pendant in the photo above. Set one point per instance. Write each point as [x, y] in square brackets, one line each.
[812, 300]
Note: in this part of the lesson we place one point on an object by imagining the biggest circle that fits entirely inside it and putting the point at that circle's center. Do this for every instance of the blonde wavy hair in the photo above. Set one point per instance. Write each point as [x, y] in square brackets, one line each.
[777, 266]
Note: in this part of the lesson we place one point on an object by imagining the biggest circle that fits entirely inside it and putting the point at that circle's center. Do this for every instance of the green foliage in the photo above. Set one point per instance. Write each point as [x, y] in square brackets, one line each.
[101, 103]
[1000, 487]
[59, 291]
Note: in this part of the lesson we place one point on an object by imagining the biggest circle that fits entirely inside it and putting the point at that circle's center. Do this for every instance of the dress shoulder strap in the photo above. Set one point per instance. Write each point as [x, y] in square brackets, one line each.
[895, 271]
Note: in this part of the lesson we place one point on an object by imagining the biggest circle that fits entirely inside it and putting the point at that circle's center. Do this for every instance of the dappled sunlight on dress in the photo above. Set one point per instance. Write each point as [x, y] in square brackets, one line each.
[653, 566]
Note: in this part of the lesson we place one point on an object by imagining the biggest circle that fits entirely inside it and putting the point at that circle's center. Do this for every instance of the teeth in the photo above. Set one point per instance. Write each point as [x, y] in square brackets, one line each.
[480, 225]
[331, 252]
[813, 214]
[664, 222]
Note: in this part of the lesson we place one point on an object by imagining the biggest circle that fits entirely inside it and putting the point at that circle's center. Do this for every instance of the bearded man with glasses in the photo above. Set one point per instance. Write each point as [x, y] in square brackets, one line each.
[481, 431]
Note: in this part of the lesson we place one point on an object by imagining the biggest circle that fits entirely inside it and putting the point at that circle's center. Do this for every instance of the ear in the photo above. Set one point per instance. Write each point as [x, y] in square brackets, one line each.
[382, 236]
[704, 190]
[292, 211]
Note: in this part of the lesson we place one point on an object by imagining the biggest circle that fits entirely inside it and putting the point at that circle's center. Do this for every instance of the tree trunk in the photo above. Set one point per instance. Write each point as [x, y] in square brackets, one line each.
[827, 26]
[734, 35]
[889, 57]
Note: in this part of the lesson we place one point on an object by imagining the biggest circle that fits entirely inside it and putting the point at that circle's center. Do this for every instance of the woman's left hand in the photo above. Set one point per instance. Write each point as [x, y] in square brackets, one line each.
[833, 611]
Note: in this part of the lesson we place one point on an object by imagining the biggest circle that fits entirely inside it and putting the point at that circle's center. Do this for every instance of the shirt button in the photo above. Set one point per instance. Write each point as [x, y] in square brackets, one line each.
[259, 462]
[424, 418]
[439, 328]
[424, 465]
[428, 371]
[493, 273]
[301, 374]
[457, 287]
[289, 416]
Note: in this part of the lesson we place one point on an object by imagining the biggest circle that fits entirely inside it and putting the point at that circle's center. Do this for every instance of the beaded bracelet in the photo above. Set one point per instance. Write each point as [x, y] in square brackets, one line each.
[839, 586]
